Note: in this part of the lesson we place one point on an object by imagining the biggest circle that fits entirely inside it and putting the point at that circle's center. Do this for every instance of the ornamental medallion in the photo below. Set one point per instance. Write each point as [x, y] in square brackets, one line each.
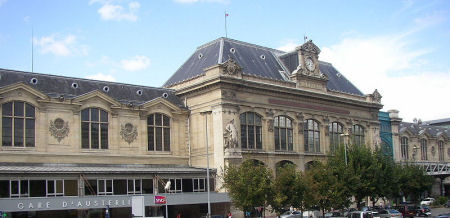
[128, 132]
[59, 129]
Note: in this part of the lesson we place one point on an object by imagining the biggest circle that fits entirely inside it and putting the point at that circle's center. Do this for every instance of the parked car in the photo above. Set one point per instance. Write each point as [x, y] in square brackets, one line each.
[334, 214]
[407, 210]
[291, 214]
[360, 214]
[447, 204]
[444, 215]
[427, 201]
[389, 213]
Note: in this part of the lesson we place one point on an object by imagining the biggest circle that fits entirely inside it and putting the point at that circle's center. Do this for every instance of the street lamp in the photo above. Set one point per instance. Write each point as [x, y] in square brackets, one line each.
[205, 113]
[345, 146]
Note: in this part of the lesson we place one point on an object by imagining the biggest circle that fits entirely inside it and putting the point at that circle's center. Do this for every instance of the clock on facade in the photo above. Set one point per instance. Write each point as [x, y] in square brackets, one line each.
[310, 64]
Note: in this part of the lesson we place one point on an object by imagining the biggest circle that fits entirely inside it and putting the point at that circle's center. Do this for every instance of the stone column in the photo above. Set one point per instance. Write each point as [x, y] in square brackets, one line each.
[395, 124]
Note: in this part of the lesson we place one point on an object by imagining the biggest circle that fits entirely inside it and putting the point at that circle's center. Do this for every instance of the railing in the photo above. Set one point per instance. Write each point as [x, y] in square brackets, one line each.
[434, 168]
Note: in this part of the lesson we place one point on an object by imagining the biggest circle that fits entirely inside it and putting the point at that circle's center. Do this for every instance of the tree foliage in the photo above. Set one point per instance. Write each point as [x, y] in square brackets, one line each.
[289, 189]
[249, 185]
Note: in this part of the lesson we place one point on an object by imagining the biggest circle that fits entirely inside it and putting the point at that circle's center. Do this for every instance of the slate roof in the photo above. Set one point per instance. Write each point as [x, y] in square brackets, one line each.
[438, 122]
[95, 168]
[418, 129]
[255, 60]
[55, 86]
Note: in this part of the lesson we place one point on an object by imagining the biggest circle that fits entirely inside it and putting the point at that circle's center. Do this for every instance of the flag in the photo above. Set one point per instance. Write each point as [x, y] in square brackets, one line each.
[226, 14]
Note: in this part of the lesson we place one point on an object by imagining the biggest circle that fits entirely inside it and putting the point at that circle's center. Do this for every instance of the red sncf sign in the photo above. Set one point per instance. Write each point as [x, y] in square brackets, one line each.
[160, 199]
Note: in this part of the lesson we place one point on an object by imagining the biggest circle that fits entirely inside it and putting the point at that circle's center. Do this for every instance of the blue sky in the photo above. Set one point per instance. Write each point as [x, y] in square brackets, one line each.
[399, 47]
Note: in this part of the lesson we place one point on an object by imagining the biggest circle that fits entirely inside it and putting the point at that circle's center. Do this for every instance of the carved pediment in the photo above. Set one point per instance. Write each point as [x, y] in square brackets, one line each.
[310, 47]
[96, 94]
[161, 102]
[230, 67]
[20, 86]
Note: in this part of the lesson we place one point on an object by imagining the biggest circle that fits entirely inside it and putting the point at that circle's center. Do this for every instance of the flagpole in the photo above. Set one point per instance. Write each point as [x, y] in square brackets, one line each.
[226, 15]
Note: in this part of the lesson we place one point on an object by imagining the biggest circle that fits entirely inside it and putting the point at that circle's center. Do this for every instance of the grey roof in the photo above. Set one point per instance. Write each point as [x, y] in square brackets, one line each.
[55, 86]
[95, 168]
[255, 60]
[437, 122]
[418, 129]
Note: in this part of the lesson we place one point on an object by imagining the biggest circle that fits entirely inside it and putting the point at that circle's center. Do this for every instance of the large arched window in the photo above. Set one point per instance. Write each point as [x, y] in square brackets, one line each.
[18, 124]
[335, 131]
[283, 133]
[441, 150]
[312, 136]
[423, 149]
[404, 148]
[158, 130]
[358, 135]
[251, 130]
[94, 128]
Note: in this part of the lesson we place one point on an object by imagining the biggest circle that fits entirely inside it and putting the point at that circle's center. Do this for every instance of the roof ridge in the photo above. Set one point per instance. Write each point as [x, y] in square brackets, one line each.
[81, 79]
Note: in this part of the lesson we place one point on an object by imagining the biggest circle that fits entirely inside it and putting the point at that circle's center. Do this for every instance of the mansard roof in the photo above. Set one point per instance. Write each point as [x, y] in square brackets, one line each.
[255, 60]
[419, 129]
[56, 86]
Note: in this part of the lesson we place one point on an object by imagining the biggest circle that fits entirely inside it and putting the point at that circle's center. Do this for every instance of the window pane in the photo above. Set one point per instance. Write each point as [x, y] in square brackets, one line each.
[50, 186]
[59, 186]
[29, 132]
[243, 136]
[85, 115]
[147, 186]
[7, 109]
[250, 119]
[29, 110]
[290, 140]
[120, 187]
[18, 132]
[158, 139]
[283, 138]
[288, 123]
[7, 131]
[251, 137]
[166, 139]
[14, 187]
[258, 138]
[18, 108]
[166, 120]
[24, 187]
[109, 186]
[94, 114]
[150, 120]
[104, 135]
[130, 185]
[70, 188]
[101, 185]
[103, 116]
[137, 185]
[275, 122]
[257, 120]
[4, 189]
[277, 138]
[85, 135]
[94, 135]
[282, 121]
[151, 138]
[158, 119]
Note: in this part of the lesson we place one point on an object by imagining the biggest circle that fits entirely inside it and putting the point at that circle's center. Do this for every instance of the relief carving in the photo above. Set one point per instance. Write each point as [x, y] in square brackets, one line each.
[128, 132]
[230, 135]
[228, 94]
[59, 129]
[376, 96]
[433, 150]
[270, 125]
[230, 67]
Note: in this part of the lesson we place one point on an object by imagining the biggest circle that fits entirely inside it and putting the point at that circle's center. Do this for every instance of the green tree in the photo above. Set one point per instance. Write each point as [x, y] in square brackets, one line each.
[414, 181]
[249, 185]
[289, 189]
[327, 191]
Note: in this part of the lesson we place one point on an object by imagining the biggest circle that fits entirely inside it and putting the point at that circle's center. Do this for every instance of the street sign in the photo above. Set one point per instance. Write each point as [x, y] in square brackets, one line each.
[160, 199]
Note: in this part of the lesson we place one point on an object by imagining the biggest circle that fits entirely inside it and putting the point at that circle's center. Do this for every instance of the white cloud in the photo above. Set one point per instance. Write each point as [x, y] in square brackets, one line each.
[113, 11]
[138, 62]
[26, 19]
[60, 46]
[397, 68]
[101, 76]
[195, 1]
[289, 45]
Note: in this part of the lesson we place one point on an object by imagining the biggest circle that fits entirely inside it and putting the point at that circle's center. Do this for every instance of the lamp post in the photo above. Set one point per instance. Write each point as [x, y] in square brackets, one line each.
[345, 146]
[205, 113]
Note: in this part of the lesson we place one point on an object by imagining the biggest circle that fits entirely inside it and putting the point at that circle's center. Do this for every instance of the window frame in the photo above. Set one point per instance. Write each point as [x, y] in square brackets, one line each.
[13, 131]
[99, 123]
[336, 139]
[174, 185]
[423, 149]
[256, 130]
[441, 150]
[288, 136]
[105, 186]
[134, 191]
[19, 188]
[313, 147]
[199, 188]
[358, 134]
[404, 148]
[54, 193]
[164, 134]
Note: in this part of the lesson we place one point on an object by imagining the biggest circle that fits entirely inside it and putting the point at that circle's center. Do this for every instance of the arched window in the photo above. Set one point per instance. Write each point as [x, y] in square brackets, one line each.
[423, 149]
[441, 150]
[158, 130]
[358, 135]
[94, 128]
[404, 148]
[312, 136]
[335, 131]
[251, 130]
[283, 133]
[18, 124]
